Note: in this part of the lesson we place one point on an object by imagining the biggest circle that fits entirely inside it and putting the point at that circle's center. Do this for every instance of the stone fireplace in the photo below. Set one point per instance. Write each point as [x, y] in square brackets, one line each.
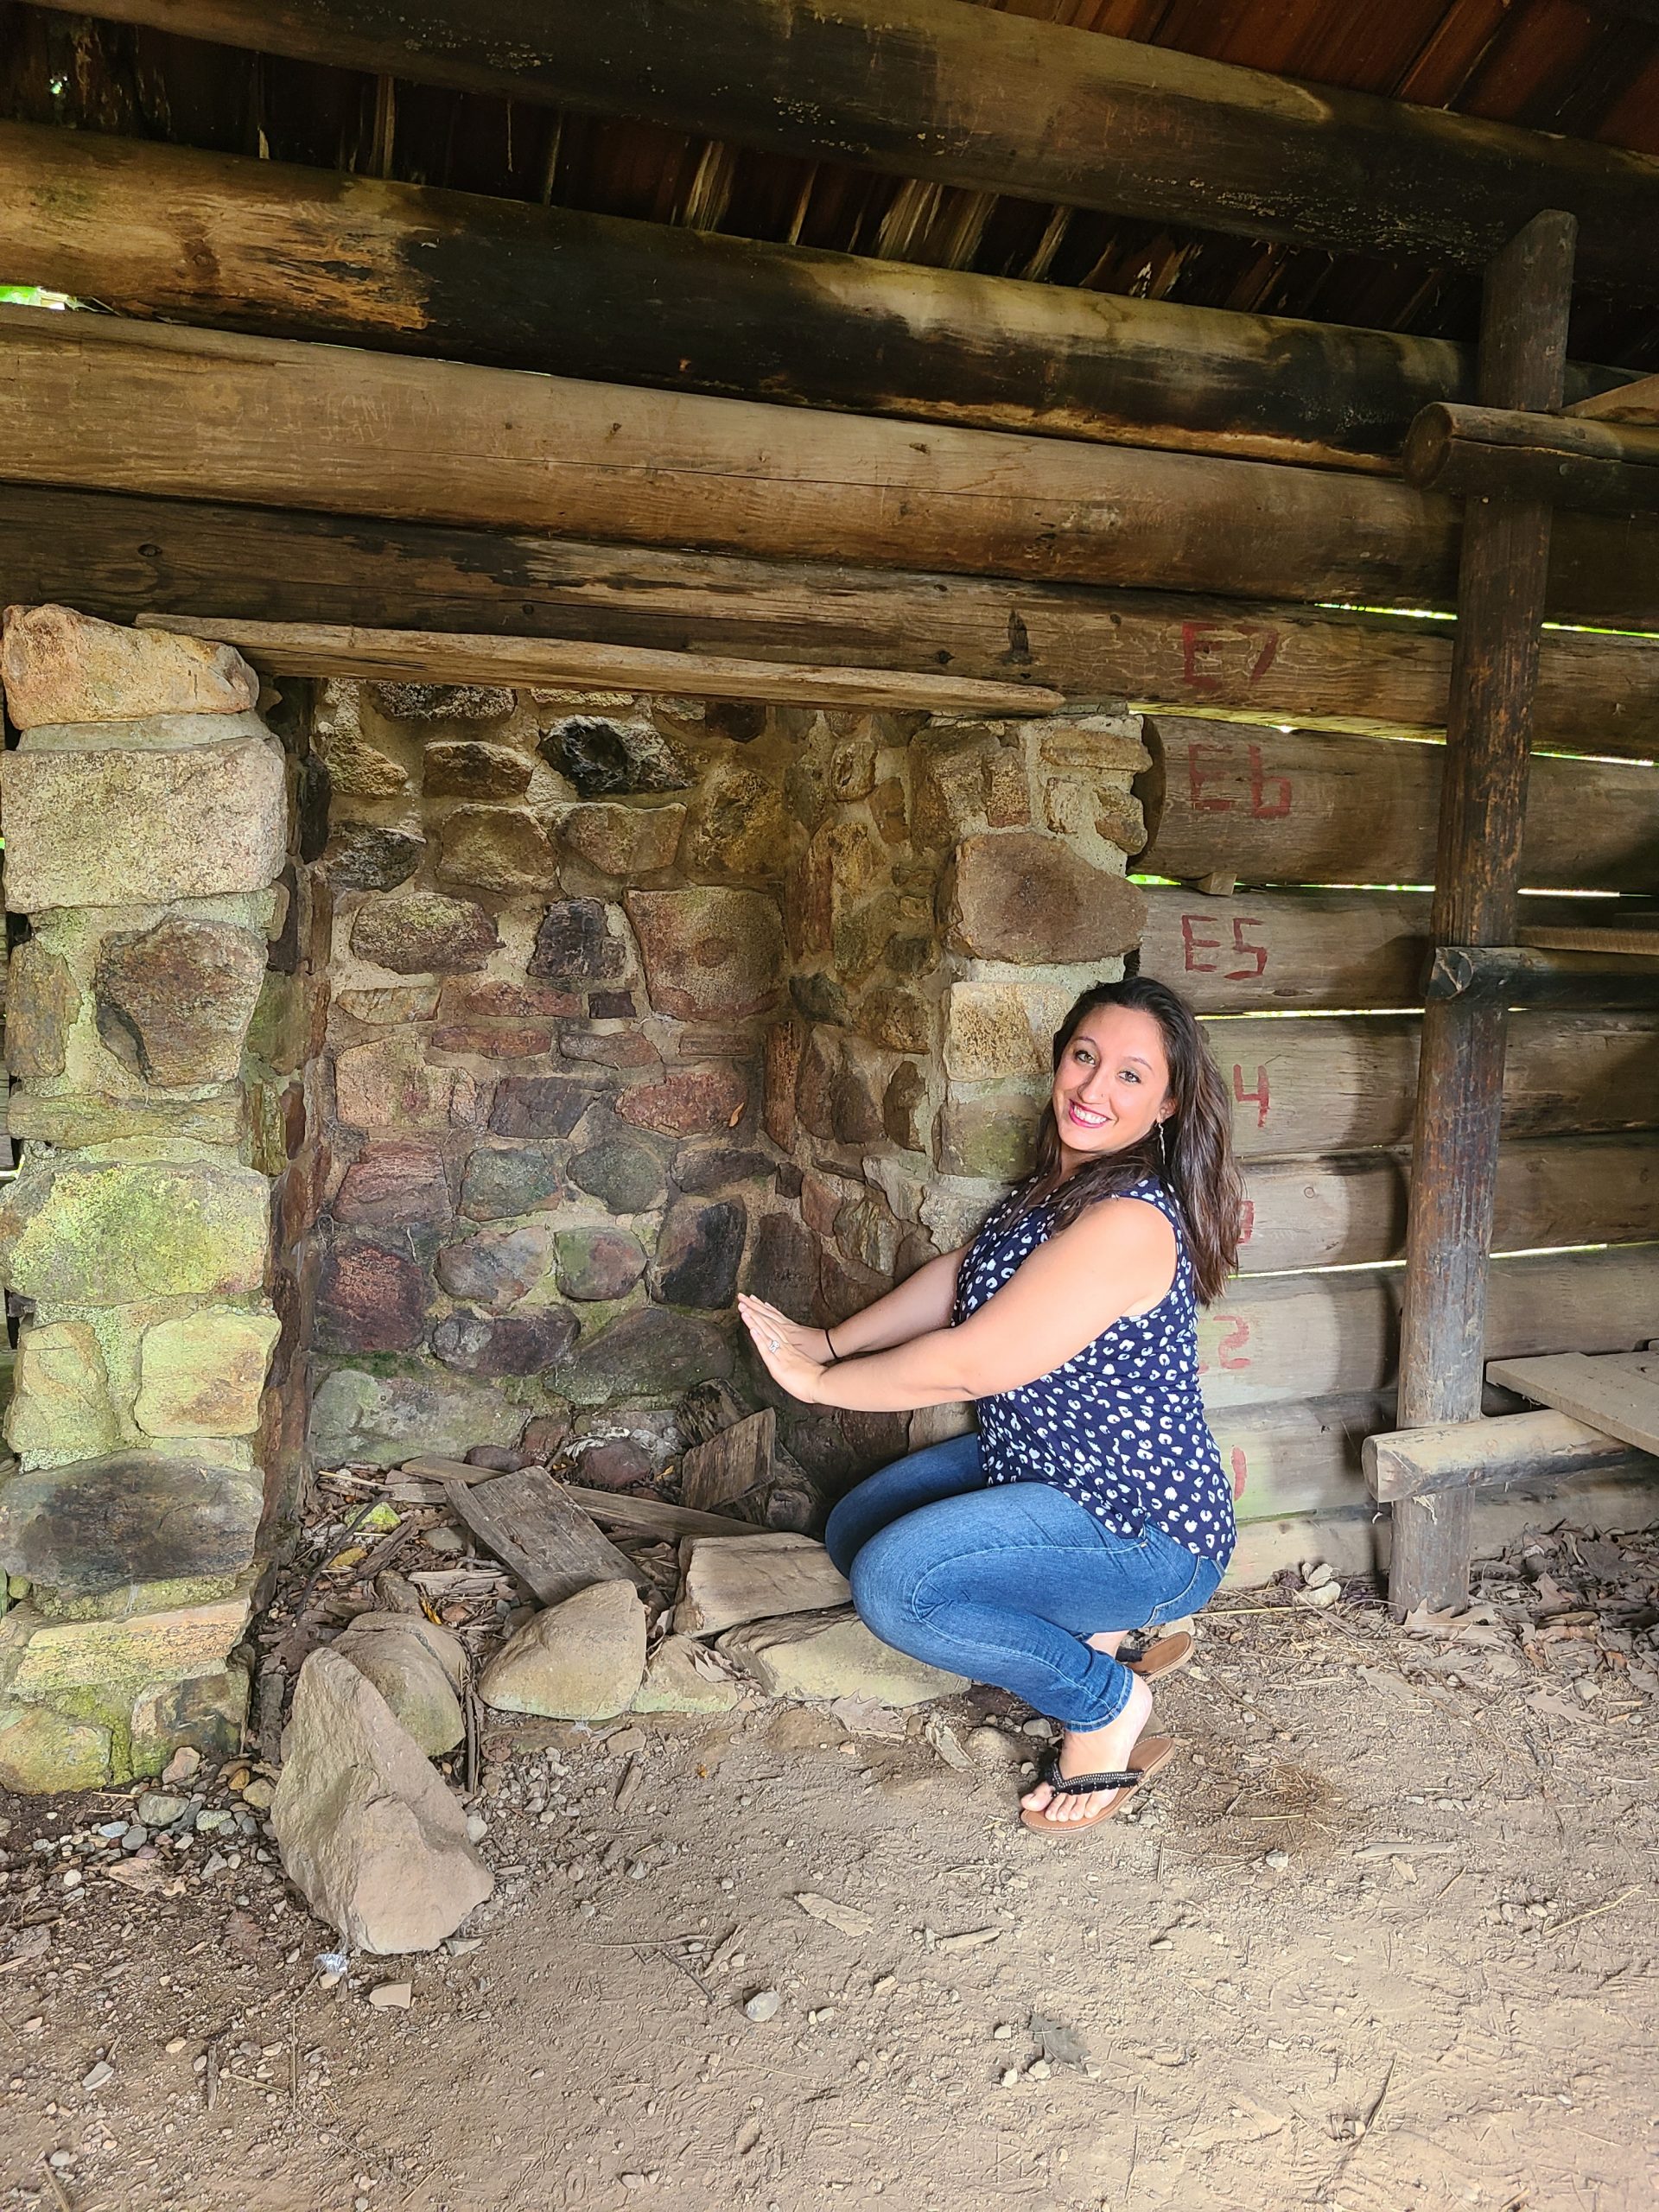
[397, 1065]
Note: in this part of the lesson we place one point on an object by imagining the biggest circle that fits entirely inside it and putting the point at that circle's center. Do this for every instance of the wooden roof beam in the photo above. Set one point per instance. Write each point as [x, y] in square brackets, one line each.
[996, 102]
[104, 403]
[310, 253]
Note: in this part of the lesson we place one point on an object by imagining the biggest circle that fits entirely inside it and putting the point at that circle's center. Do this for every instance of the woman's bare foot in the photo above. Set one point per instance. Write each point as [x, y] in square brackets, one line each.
[1094, 1751]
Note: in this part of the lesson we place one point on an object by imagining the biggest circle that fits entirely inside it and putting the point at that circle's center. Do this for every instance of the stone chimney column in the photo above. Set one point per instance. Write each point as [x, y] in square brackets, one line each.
[145, 825]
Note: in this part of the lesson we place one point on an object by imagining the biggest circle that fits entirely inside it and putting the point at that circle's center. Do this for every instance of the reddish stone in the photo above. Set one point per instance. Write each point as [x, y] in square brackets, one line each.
[629, 1048]
[481, 998]
[398, 1181]
[697, 1102]
[1027, 897]
[178, 998]
[784, 1044]
[498, 1457]
[598, 1263]
[506, 1044]
[699, 1253]
[371, 1297]
[545, 1436]
[710, 954]
[614, 1463]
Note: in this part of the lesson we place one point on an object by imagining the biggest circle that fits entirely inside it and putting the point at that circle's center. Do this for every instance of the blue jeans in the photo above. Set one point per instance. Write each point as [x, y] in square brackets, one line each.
[1003, 1582]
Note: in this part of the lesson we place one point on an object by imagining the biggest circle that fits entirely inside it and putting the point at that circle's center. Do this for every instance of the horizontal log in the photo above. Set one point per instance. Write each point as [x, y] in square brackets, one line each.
[1292, 806]
[117, 555]
[1630, 403]
[1301, 1455]
[432, 657]
[1263, 950]
[311, 253]
[1518, 974]
[1324, 1334]
[1349, 1209]
[1513, 1448]
[1349, 1083]
[999, 103]
[99, 404]
[1484, 453]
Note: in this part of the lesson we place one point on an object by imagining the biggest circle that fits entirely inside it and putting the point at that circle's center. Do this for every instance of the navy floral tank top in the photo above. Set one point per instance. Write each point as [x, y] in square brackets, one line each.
[1120, 1425]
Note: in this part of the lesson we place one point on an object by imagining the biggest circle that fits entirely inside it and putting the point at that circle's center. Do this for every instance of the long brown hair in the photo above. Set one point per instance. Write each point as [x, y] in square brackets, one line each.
[1192, 1151]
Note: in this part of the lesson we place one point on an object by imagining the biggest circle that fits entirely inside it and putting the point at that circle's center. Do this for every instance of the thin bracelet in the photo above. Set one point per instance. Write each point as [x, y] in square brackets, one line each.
[834, 1357]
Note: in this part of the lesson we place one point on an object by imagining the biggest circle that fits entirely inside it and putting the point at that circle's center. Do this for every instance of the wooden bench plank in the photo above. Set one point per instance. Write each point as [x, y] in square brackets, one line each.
[1613, 1394]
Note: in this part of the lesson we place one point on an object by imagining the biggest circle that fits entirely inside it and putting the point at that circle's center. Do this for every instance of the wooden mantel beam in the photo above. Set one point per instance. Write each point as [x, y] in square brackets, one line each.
[310, 253]
[101, 404]
[117, 556]
[996, 102]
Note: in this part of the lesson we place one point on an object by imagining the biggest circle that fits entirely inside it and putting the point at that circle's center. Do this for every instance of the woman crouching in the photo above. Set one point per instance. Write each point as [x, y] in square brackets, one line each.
[1092, 1501]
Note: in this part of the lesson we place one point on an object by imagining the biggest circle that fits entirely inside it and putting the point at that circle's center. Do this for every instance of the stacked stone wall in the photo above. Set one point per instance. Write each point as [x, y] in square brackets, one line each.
[635, 1003]
[145, 816]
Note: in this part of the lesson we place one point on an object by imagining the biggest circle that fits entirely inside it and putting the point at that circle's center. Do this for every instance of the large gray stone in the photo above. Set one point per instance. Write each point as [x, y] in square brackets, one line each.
[628, 1176]
[470, 767]
[381, 1419]
[59, 665]
[417, 1667]
[130, 1516]
[364, 857]
[833, 1655]
[424, 933]
[43, 1002]
[499, 849]
[368, 1833]
[496, 1267]
[114, 1233]
[504, 1344]
[120, 827]
[580, 1660]
[649, 1354]
[176, 1000]
[503, 1179]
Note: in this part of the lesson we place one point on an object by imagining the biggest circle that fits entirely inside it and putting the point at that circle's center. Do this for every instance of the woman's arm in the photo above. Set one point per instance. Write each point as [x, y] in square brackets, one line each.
[922, 1302]
[1119, 1255]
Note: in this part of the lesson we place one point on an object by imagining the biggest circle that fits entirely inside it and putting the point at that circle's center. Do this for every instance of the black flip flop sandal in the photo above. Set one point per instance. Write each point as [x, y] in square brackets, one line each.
[1149, 1755]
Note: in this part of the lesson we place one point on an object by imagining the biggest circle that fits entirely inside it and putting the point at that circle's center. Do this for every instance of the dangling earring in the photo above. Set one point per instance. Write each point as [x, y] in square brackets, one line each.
[1163, 1149]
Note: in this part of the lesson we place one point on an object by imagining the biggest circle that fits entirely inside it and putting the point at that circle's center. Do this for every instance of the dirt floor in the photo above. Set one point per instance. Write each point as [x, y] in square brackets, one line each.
[1383, 1939]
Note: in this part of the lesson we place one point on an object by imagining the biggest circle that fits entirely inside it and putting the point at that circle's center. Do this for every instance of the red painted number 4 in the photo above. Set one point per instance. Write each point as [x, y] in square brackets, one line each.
[1258, 1098]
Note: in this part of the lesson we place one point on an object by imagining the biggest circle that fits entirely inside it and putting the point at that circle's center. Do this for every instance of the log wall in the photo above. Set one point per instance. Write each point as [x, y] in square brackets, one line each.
[1309, 977]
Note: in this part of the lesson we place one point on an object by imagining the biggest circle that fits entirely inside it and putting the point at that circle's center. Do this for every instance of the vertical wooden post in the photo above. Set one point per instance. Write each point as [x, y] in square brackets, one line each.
[1477, 879]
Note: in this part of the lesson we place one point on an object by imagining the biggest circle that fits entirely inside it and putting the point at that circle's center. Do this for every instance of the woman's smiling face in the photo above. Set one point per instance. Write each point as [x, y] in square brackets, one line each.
[1112, 1084]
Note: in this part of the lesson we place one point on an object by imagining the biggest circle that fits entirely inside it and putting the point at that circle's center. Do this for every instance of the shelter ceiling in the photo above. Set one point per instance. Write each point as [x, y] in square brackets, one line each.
[1590, 72]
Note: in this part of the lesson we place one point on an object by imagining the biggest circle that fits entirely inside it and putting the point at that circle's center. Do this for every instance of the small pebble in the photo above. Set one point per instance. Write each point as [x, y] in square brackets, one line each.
[763, 2006]
[1278, 1861]
[1039, 2069]
[1009, 2076]
[175, 2046]
[1001, 2032]
[392, 1996]
[100, 2073]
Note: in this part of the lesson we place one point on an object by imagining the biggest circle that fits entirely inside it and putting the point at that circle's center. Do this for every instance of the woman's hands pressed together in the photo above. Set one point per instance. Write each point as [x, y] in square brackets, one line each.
[795, 1357]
